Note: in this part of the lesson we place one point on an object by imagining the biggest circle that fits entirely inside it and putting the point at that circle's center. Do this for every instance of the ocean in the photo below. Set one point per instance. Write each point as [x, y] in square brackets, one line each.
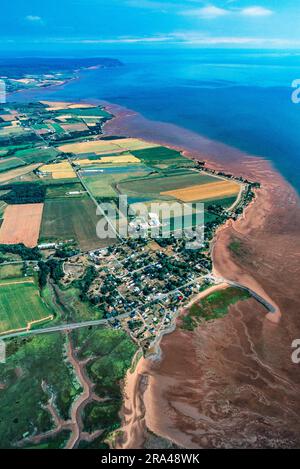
[238, 97]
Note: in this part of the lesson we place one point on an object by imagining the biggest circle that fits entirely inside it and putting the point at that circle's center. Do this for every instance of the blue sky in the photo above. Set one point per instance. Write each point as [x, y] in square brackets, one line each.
[198, 23]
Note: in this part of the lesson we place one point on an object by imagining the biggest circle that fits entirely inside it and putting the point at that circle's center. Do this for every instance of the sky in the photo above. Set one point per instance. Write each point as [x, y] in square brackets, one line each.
[139, 23]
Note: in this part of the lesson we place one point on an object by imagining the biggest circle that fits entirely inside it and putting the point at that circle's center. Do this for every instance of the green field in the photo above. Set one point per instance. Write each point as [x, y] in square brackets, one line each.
[36, 155]
[10, 163]
[71, 219]
[14, 148]
[10, 271]
[58, 129]
[104, 184]
[20, 303]
[94, 156]
[153, 185]
[224, 202]
[213, 306]
[40, 126]
[49, 182]
[79, 112]
[12, 131]
[161, 156]
[62, 190]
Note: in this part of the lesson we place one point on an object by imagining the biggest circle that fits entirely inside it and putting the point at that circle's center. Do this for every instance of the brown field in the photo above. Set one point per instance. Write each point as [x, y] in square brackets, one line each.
[209, 191]
[134, 144]
[21, 224]
[7, 117]
[74, 127]
[100, 146]
[110, 159]
[94, 146]
[61, 170]
[59, 105]
[14, 173]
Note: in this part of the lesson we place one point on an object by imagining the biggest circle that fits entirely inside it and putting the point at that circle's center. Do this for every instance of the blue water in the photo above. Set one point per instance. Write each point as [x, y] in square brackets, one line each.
[242, 98]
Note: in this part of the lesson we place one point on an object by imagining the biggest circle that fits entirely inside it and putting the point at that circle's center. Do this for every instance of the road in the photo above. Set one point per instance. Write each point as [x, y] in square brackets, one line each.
[97, 204]
[271, 308]
[63, 327]
[160, 297]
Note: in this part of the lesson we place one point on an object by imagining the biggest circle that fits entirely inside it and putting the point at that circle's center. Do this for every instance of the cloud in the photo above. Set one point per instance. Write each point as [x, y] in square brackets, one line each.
[207, 12]
[127, 40]
[233, 41]
[187, 39]
[34, 19]
[256, 11]
[212, 11]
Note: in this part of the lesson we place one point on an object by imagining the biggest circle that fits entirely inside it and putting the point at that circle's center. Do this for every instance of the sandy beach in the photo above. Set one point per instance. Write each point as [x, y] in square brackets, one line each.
[231, 382]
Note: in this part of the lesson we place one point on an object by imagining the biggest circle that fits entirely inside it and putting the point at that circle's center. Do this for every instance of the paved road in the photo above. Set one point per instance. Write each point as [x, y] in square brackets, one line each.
[97, 204]
[63, 327]
[72, 326]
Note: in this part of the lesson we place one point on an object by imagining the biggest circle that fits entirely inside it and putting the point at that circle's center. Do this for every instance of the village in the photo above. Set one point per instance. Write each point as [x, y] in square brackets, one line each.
[139, 285]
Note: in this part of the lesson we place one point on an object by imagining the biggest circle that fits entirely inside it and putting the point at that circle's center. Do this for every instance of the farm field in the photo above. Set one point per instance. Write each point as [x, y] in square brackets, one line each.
[10, 271]
[57, 128]
[83, 111]
[121, 159]
[10, 163]
[21, 304]
[59, 105]
[11, 131]
[101, 146]
[95, 146]
[64, 190]
[14, 148]
[18, 172]
[21, 224]
[154, 185]
[71, 219]
[132, 144]
[161, 157]
[61, 170]
[103, 184]
[204, 192]
[36, 154]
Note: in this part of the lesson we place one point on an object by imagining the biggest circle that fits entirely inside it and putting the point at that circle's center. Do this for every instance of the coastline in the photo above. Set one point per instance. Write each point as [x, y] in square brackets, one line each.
[274, 216]
[41, 89]
[269, 230]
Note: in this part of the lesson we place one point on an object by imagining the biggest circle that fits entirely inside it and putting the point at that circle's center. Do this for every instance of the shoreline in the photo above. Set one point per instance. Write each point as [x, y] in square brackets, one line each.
[144, 390]
[142, 408]
[147, 395]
